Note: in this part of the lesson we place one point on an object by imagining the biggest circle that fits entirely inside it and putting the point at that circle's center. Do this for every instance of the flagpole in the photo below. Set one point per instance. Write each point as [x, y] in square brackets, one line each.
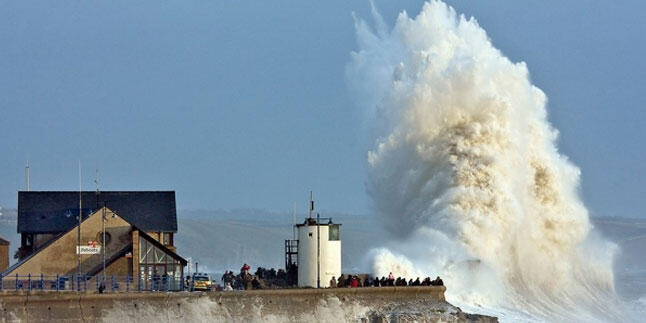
[78, 231]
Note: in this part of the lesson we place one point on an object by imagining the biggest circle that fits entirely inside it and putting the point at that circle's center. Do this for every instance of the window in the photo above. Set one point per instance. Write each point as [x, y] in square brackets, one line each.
[167, 238]
[150, 254]
[334, 234]
[29, 240]
[107, 238]
[157, 269]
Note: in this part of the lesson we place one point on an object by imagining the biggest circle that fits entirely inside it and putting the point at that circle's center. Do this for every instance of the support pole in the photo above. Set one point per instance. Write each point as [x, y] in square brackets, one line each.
[104, 244]
[27, 176]
[318, 251]
[78, 232]
[311, 206]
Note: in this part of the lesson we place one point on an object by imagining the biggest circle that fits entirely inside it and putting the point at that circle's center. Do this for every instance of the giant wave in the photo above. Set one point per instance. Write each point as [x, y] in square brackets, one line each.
[466, 174]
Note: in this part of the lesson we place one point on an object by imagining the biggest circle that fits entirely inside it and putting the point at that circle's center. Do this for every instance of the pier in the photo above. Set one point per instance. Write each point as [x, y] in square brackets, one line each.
[238, 306]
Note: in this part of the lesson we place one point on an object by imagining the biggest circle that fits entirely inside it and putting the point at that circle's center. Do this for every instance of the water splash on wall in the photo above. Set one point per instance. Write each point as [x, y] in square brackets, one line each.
[465, 173]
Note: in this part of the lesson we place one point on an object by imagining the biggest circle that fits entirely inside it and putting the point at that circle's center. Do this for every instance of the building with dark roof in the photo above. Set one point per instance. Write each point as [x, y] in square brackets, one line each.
[121, 234]
[126, 250]
[43, 215]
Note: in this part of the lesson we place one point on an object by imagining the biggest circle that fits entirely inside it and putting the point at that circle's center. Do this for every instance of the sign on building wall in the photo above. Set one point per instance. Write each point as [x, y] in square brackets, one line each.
[88, 250]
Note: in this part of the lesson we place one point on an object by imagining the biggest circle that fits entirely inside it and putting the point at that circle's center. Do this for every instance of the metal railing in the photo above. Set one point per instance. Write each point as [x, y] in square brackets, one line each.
[85, 283]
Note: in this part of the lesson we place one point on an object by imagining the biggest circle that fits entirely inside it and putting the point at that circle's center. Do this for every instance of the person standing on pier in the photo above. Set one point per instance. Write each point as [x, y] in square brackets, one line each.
[333, 282]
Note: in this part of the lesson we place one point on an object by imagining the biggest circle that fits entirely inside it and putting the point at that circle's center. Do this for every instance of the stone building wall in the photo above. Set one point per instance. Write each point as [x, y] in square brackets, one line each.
[4, 257]
[60, 256]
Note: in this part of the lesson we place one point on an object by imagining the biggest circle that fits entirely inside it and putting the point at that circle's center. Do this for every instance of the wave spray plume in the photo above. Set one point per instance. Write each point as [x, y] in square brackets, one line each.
[466, 175]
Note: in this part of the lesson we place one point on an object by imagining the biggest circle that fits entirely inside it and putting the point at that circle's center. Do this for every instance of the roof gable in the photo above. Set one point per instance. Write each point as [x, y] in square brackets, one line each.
[156, 243]
[56, 211]
[95, 216]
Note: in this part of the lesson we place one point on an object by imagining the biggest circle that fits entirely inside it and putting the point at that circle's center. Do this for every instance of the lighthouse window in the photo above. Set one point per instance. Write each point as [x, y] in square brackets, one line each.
[334, 233]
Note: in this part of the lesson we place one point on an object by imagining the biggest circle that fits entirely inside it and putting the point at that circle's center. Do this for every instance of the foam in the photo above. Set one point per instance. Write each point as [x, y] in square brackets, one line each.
[466, 175]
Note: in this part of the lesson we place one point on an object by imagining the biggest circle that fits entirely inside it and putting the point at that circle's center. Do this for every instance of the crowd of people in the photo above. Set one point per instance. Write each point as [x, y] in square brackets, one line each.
[270, 278]
[355, 281]
[261, 279]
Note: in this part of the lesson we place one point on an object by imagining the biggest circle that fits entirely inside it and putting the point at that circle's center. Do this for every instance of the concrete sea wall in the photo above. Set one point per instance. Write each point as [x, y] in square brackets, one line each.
[383, 304]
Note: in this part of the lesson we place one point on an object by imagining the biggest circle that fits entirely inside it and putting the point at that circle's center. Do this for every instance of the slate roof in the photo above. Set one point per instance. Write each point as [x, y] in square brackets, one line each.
[56, 211]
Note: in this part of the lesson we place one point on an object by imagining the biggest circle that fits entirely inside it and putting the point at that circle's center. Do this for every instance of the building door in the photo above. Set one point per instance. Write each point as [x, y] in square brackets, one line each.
[160, 278]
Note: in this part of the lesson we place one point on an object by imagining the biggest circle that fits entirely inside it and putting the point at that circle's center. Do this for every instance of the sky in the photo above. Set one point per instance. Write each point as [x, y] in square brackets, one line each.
[241, 104]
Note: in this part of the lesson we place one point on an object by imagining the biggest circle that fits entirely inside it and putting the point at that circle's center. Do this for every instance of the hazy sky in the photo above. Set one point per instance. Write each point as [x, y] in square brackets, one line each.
[244, 104]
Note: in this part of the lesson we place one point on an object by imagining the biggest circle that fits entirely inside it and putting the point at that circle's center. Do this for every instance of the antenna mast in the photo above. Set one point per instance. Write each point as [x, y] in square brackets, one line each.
[96, 181]
[78, 232]
[311, 203]
[27, 176]
[294, 221]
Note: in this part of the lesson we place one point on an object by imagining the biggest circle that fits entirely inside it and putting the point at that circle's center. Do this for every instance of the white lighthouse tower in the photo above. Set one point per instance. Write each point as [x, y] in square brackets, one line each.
[319, 250]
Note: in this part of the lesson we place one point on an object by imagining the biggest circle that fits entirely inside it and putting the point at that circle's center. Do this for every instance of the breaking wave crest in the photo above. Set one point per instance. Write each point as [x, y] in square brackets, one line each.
[466, 175]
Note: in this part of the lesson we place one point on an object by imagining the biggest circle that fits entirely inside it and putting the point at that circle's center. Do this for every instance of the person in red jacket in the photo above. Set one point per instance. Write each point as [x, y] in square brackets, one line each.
[245, 269]
[354, 282]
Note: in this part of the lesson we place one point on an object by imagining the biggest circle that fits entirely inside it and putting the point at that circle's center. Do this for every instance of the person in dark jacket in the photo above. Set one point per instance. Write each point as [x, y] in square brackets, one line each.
[255, 283]
[341, 282]
[437, 282]
[228, 277]
[247, 280]
[376, 282]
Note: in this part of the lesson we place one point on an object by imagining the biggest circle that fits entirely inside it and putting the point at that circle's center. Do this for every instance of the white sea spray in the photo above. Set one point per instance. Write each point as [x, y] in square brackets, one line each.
[466, 175]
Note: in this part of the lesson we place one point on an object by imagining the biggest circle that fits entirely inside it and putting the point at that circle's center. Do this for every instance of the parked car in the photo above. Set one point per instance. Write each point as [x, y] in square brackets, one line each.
[201, 281]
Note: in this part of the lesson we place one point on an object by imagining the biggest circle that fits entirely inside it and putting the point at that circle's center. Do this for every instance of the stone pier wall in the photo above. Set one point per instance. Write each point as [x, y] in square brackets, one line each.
[380, 304]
